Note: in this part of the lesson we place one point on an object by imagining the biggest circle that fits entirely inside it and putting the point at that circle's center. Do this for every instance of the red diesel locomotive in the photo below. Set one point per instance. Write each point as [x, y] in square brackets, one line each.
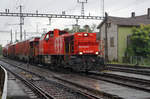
[78, 51]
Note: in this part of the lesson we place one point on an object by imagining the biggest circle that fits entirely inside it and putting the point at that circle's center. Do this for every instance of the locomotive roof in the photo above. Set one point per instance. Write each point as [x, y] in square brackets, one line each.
[30, 39]
[70, 34]
[34, 39]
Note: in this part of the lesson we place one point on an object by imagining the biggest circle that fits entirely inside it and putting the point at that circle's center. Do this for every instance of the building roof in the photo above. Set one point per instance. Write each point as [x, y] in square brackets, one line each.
[131, 21]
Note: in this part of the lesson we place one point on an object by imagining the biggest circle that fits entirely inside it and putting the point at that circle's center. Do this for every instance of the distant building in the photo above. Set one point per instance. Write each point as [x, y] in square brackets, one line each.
[118, 31]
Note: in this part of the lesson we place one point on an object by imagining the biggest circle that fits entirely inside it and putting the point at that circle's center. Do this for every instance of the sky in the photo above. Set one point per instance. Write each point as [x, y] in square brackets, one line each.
[120, 8]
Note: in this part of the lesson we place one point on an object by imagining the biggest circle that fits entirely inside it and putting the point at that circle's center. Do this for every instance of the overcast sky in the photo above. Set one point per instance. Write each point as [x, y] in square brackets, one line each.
[120, 8]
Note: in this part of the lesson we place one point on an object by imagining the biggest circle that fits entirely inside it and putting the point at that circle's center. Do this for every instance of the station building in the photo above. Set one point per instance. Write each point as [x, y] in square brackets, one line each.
[118, 31]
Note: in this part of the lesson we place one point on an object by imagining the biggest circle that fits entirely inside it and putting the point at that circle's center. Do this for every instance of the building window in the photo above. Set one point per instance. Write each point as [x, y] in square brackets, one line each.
[109, 25]
[112, 42]
[128, 40]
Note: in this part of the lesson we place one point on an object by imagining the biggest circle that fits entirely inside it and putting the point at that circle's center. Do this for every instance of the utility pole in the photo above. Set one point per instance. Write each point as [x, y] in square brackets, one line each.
[82, 6]
[44, 30]
[24, 34]
[106, 37]
[15, 35]
[50, 21]
[11, 36]
[37, 28]
[76, 26]
[103, 7]
[21, 22]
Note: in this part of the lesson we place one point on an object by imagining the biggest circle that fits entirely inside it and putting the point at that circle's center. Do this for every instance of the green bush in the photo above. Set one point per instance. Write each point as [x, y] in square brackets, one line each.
[140, 42]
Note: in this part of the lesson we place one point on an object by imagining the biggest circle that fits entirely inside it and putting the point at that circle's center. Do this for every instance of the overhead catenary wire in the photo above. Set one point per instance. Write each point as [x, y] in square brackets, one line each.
[18, 2]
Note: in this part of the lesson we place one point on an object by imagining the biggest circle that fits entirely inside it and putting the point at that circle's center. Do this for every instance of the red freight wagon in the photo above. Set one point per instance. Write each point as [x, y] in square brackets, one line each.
[11, 50]
[22, 50]
[34, 49]
[27, 49]
[5, 50]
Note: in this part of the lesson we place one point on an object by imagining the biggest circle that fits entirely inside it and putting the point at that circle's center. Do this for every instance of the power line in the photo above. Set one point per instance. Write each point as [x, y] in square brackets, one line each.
[2, 31]
[51, 16]
[22, 15]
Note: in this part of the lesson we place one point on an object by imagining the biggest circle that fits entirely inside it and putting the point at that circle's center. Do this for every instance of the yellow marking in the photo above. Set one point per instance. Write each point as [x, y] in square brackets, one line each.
[105, 71]
[28, 76]
[23, 73]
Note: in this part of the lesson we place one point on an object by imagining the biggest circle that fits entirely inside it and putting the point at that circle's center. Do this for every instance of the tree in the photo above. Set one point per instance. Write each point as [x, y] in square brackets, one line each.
[93, 27]
[140, 41]
[86, 28]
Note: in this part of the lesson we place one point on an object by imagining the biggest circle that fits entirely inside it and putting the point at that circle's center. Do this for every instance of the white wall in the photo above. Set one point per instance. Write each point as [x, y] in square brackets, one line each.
[112, 32]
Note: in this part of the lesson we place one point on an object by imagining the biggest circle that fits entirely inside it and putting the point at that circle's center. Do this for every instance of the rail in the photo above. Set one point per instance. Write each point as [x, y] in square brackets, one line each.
[46, 95]
[132, 82]
[142, 70]
[128, 66]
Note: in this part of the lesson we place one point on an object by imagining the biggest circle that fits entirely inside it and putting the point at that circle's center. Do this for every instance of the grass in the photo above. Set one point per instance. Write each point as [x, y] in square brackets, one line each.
[145, 62]
[1, 56]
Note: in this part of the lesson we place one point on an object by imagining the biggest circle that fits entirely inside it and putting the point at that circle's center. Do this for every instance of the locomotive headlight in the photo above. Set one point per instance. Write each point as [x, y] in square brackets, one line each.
[96, 53]
[85, 34]
[80, 53]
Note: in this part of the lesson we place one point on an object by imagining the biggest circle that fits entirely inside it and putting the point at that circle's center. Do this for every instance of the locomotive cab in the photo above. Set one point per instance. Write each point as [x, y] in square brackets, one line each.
[50, 46]
[86, 44]
[82, 51]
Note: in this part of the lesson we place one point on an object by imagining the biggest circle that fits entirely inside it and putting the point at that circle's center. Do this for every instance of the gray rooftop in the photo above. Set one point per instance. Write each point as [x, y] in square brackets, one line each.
[130, 21]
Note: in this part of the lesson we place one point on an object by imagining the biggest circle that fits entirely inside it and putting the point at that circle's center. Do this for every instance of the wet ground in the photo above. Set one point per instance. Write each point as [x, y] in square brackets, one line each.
[134, 68]
[14, 88]
[125, 92]
[148, 70]
[130, 75]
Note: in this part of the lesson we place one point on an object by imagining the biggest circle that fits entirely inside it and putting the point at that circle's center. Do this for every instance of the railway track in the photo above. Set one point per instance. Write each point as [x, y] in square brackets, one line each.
[132, 82]
[46, 89]
[128, 66]
[83, 95]
[129, 69]
[35, 89]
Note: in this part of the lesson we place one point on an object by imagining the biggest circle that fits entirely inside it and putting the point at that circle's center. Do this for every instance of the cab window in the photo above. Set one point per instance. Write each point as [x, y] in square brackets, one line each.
[42, 37]
[51, 34]
[62, 32]
[47, 37]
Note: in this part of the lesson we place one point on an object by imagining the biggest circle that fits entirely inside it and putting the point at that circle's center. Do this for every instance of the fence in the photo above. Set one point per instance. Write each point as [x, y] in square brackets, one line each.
[136, 60]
